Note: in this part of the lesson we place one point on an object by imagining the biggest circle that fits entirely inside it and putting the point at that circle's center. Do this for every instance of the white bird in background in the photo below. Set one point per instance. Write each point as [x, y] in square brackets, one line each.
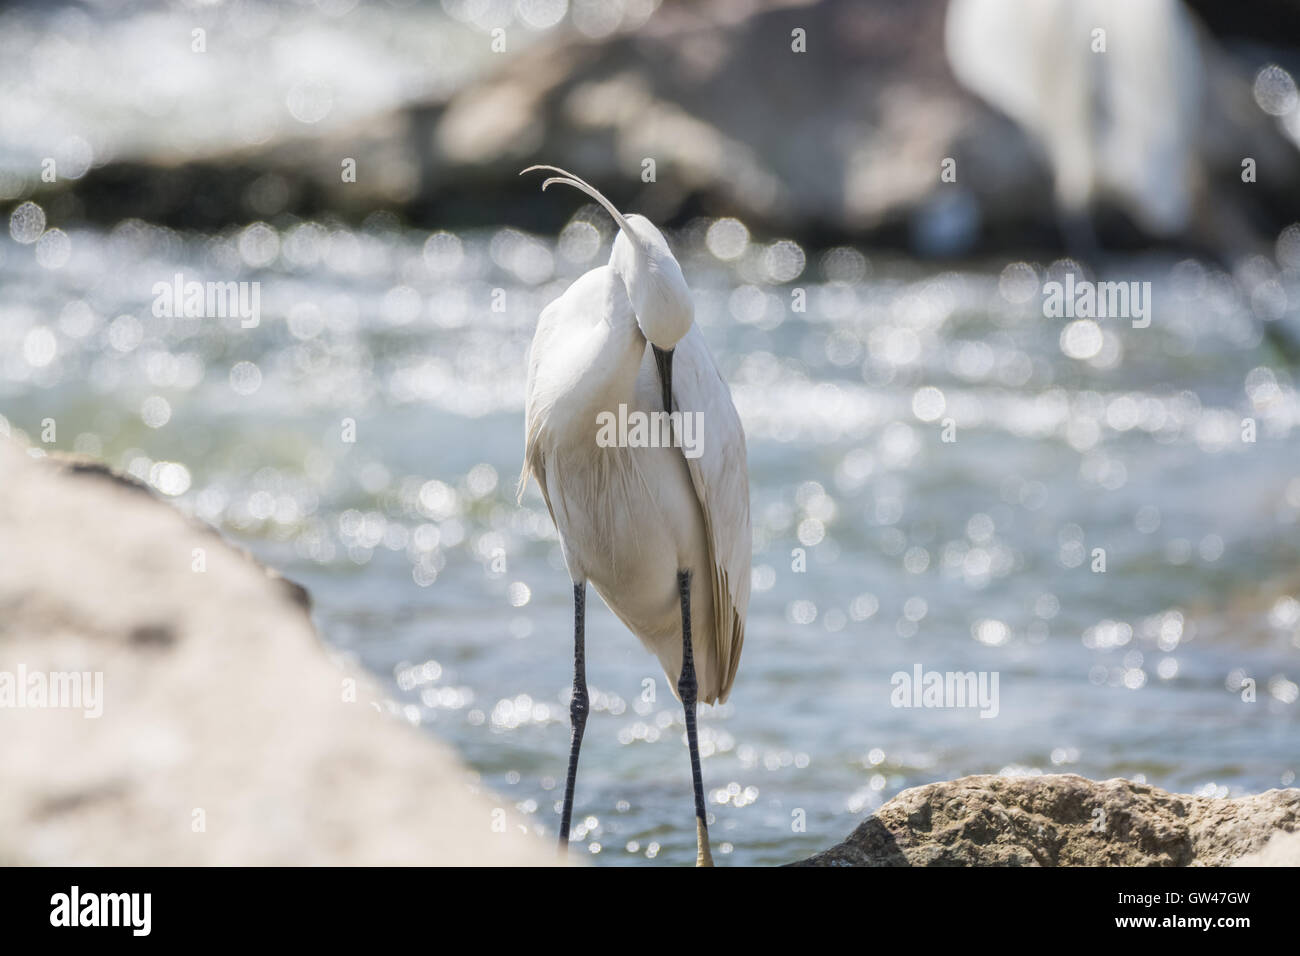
[1122, 124]
[1136, 126]
[642, 524]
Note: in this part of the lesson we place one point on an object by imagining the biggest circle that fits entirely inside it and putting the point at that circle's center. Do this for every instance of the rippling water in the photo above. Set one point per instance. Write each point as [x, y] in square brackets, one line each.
[973, 554]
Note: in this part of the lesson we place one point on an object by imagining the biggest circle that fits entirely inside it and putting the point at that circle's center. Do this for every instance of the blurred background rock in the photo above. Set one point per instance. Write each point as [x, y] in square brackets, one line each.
[1142, 142]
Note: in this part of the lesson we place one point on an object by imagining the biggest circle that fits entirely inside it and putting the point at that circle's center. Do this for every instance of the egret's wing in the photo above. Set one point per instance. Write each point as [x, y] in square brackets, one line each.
[721, 479]
[591, 299]
[534, 410]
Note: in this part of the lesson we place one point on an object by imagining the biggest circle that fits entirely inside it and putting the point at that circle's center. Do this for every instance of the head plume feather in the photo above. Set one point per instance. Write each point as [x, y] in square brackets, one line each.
[569, 179]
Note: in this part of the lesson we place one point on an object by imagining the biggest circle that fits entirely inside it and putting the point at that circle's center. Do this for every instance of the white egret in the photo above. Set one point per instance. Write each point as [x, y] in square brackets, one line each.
[640, 519]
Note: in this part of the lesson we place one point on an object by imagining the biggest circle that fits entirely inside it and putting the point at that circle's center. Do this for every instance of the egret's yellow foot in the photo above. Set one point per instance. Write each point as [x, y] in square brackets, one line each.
[702, 855]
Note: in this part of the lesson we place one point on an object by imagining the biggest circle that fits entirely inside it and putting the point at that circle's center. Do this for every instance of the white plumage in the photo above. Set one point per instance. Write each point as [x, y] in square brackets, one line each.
[629, 518]
[1121, 124]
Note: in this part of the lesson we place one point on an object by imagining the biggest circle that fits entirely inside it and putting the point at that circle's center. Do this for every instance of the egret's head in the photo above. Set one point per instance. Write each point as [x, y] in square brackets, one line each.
[641, 258]
[655, 284]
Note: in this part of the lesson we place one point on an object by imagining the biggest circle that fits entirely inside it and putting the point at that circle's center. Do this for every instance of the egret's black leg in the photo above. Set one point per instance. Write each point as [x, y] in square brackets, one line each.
[578, 707]
[688, 688]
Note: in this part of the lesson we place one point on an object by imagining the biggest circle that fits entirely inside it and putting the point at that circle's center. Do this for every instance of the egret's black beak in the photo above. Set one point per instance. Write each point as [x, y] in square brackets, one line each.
[664, 362]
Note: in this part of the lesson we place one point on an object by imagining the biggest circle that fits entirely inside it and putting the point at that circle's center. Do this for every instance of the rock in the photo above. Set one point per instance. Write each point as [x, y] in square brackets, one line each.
[1067, 820]
[843, 142]
[227, 735]
[846, 138]
[1282, 850]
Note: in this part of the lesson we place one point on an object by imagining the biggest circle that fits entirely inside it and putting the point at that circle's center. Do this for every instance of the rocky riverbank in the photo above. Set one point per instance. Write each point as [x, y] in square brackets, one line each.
[822, 122]
[1068, 820]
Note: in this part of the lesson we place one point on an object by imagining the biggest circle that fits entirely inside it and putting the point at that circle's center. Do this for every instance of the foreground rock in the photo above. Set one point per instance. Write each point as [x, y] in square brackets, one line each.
[226, 734]
[1068, 820]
